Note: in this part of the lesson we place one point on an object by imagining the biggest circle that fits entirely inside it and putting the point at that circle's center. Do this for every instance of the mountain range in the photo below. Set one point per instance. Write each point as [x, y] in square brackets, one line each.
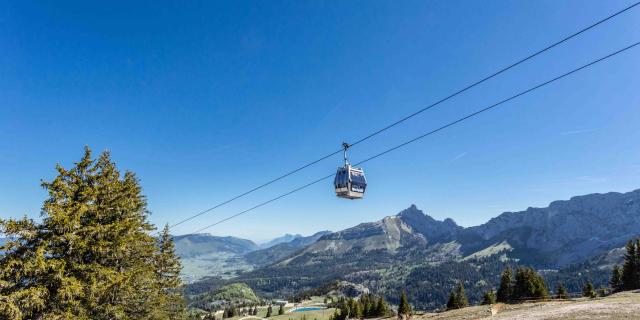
[414, 252]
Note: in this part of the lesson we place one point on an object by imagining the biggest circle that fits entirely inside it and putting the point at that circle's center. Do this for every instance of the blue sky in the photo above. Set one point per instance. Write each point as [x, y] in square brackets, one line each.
[205, 100]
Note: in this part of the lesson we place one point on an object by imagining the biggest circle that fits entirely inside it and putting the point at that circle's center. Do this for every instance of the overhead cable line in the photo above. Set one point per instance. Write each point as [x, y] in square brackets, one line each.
[468, 87]
[428, 133]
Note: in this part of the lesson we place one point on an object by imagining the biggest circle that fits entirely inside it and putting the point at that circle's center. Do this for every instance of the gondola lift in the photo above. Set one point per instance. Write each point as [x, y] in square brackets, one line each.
[349, 182]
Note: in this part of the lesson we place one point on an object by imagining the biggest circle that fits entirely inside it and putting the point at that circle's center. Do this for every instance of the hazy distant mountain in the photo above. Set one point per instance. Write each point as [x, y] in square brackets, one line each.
[193, 245]
[278, 252]
[578, 238]
[283, 239]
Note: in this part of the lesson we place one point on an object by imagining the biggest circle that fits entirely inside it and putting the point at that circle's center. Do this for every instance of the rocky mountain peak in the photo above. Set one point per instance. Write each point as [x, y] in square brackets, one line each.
[414, 212]
[432, 229]
[450, 222]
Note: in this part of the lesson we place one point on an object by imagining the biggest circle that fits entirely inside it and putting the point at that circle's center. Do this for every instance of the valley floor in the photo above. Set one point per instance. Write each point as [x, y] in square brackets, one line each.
[624, 305]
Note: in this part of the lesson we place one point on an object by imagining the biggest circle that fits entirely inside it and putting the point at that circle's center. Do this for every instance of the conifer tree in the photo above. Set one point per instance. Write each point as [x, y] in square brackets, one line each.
[529, 285]
[506, 286]
[616, 279]
[381, 308]
[352, 307]
[489, 298]
[168, 267]
[335, 315]
[269, 311]
[404, 309]
[358, 311]
[366, 309]
[91, 257]
[343, 309]
[457, 298]
[631, 267]
[281, 310]
[561, 292]
[588, 290]
[452, 302]
[461, 296]
[366, 306]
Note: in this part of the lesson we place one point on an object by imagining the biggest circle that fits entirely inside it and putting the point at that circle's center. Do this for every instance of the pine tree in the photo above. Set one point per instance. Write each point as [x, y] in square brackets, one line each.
[168, 267]
[352, 307]
[630, 268]
[92, 256]
[367, 308]
[457, 298]
[637, 264]
[506, 286]
[381, 308]
[529, 285]
[561, 292]
[366, 312]
[404, 309]
[452, 302]
[269, 311]
[358, 311]
[616, 279]
[588, 290]
[343, 310]
[461, 296]
[489, 298]
[335, 315]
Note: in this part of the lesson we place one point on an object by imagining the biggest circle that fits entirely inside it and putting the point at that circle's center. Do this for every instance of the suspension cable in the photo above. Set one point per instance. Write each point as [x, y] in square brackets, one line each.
[474, 114]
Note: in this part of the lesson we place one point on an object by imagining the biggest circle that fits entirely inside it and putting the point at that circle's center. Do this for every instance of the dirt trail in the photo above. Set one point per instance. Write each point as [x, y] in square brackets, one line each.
[625, 305]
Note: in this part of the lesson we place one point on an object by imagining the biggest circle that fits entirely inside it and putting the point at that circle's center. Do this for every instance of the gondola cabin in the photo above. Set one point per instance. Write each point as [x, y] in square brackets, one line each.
[350, 182]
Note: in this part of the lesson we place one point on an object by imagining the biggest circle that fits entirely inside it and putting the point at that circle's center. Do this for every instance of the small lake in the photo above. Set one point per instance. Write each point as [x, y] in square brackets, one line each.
[307, 309]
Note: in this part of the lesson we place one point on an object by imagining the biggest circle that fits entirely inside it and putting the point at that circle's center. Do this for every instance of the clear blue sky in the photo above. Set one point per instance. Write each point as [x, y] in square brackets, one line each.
[204, 100]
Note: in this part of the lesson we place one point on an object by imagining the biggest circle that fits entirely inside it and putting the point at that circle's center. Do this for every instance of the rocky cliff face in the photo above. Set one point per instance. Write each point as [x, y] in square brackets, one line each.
[566, 231]
[390, 234]
[433, 230]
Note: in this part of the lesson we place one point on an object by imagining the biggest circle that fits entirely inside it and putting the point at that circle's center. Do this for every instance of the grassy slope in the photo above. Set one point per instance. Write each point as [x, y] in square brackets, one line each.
[624, 305]
[310, 315]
